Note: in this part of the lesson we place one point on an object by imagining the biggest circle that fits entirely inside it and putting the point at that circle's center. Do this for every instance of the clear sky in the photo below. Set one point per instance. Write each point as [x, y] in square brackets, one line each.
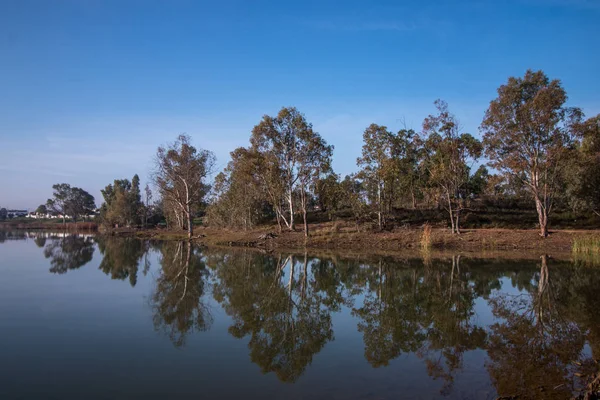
[90, 88]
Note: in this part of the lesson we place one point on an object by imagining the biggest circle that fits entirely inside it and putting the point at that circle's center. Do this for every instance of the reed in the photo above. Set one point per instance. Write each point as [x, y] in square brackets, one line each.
[587, 245]
[426, 237]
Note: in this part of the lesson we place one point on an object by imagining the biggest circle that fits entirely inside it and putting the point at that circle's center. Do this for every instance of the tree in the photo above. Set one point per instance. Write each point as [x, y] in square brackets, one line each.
[60, 201]
[180, 176]
[3, 213]
[528, 133]
[583, 176]
[353, 198]
[447, 157]
[238, 198]
[72, 201]
[122, 202]
[328, 193]
[41, 209]
[81, 203]
[290, 156]
[377, 168]
[148, 200]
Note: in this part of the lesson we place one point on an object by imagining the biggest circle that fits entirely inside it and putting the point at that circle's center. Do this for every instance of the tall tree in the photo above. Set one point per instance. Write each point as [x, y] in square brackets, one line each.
[238, 198]
[180, 175]
[583, 176]
[41, 209]
[290, 156]
[448, 155]
[81, 203]
[71, 201]
[377, 168]
[527, 134]
[122, 202]
[59, 203]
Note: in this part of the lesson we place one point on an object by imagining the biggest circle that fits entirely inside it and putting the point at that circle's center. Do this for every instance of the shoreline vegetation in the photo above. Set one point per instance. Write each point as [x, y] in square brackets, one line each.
[424, 189]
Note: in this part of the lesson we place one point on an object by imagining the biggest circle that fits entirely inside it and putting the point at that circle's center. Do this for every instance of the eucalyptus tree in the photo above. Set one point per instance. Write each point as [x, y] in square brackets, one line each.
[583, 175]
[122, 202]
[291, 156]
[238, 198]
[378, 168]
[180, 175]
[528, 133]
[448, 155]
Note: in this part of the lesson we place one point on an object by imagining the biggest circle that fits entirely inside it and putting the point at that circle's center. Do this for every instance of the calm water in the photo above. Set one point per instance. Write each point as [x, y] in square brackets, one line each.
[110, 318]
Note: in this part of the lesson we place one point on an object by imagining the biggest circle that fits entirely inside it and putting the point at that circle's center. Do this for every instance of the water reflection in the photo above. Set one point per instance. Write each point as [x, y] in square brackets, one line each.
[538, 345]
[177, 301]
[122, 256]
[276, 304]
[537, 322]
[69, 252]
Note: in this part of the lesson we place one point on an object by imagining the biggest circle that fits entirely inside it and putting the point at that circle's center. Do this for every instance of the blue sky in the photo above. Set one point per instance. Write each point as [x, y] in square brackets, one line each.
[90, 88]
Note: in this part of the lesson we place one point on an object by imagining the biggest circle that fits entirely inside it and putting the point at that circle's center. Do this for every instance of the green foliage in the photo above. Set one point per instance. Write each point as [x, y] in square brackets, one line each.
[528, 133]
[447, 156]
[71, 201]
[238, 199]
[122, 203]
[180, 175]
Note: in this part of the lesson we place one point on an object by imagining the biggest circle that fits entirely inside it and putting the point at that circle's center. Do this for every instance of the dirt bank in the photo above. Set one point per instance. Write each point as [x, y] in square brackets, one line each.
[332, 236]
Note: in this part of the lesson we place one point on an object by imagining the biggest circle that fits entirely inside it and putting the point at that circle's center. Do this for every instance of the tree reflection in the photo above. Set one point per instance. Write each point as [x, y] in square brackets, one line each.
[122, 256]
[537, 348]
[177, 299]
[280, 305]
[69, 252]
[40, 241]
[423, 309]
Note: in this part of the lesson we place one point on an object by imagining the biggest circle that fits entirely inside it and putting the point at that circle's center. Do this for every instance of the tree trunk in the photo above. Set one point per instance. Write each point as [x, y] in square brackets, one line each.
[542, 217]
[304, 212]
[379, 219]
[456, 225]
[278, 217]
[451, 212]
[291, 203]
[190, 222]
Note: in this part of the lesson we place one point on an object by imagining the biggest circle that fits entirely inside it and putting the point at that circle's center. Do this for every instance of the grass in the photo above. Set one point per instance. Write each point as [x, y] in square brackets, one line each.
[586, 245]
[426, 237]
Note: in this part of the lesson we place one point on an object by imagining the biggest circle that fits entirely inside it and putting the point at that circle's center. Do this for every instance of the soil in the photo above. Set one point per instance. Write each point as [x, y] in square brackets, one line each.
[344, 237]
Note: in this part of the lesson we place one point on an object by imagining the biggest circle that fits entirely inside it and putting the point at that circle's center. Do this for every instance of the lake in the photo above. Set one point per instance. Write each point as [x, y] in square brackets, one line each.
[86, 317]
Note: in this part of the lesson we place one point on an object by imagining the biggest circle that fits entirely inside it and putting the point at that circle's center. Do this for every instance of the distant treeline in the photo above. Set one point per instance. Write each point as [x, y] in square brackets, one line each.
[538, 149]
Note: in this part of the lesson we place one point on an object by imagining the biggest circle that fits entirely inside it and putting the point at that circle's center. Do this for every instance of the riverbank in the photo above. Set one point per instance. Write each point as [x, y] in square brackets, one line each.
[341, 237]
[50, 225]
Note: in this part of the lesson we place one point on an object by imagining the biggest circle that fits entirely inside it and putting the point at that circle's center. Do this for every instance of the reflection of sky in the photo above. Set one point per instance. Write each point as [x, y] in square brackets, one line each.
[83, 332]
